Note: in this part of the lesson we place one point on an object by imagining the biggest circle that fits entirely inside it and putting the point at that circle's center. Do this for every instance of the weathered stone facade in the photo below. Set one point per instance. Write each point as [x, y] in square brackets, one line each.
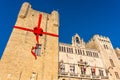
[17, 62]
[95, 60]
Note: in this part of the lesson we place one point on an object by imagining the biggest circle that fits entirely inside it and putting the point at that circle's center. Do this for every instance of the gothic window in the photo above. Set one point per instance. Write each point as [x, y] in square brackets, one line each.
[38, 49]
[117, 75]
[83, 70]
[112, 63]
[61, 67]
[101, 72]
[72, 69]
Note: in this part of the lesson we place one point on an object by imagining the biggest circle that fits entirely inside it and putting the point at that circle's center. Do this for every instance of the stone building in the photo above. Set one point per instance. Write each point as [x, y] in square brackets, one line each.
[34, 52]
[95, 60]
[19, 61]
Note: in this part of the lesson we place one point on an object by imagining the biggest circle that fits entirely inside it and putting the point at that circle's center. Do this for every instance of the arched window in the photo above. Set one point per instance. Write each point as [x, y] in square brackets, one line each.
[77, 40]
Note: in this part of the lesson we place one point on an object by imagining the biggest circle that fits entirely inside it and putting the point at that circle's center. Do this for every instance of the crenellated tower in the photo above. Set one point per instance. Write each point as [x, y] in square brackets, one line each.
[108, 54]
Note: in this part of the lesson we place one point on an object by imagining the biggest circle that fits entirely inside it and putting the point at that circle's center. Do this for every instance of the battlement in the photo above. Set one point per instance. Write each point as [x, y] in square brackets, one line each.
[101, 38]
[27, 13]
[98, 39]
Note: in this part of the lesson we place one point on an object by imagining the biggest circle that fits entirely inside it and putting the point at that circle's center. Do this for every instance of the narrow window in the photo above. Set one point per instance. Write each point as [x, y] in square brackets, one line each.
[38, 49]
[69, 50]
[72, 50]
[83, 52]
[87, 53]
[80, 52]
[75, 51]
[97, 55]
[104, 46]
[64, 49]
[59, 48]
[90, 53]
[112, 63]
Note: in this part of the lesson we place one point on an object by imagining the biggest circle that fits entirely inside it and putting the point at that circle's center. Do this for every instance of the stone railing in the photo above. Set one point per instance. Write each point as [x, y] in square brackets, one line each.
[81, 76]
[104, 77]
[78, 75]
[63, 73]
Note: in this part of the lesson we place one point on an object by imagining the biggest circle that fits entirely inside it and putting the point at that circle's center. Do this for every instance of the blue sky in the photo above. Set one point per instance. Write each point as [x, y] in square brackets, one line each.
[85, 17]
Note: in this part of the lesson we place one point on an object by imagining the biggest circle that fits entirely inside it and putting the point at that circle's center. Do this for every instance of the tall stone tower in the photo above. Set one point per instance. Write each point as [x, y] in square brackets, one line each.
[18, 63]
[109, 57]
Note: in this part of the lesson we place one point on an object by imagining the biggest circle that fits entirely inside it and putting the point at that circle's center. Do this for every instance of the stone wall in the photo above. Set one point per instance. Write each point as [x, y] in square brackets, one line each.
[17, 62]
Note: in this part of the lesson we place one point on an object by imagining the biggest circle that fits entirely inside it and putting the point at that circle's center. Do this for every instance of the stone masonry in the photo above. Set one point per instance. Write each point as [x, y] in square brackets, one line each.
[17, 62]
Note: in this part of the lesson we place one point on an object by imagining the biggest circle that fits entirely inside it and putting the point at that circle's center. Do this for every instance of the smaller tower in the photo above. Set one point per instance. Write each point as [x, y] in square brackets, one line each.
[77, 41]
[109, 57]
[32, 50]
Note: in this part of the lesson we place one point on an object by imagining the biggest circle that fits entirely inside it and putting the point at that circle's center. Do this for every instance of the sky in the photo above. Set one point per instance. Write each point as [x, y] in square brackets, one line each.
[85, 17]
